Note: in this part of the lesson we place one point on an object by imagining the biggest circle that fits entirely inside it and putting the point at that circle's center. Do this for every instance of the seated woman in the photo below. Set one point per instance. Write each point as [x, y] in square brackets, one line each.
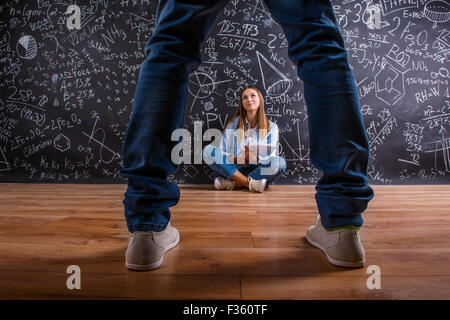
[247, 155]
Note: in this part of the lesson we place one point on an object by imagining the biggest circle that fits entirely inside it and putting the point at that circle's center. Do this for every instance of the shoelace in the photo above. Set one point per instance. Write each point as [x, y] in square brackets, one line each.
[228, 184]
[251, 185]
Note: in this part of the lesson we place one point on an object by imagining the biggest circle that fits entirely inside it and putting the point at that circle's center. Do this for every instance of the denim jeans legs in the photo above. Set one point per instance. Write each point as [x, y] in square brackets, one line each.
[338, 142]
[270, 171]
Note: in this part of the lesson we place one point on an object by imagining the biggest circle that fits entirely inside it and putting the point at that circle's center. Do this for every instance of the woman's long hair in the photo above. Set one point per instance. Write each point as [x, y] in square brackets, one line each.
[262, 120]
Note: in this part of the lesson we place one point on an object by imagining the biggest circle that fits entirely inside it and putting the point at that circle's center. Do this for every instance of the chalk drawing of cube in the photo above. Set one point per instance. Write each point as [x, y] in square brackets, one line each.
[61, 143]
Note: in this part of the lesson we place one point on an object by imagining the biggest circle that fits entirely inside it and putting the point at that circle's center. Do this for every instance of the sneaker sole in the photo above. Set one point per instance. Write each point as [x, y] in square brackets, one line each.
[154, 265]
[339, 263]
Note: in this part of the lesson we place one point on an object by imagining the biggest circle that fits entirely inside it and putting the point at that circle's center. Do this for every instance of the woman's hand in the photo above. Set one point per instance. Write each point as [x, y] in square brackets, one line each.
[250, 157]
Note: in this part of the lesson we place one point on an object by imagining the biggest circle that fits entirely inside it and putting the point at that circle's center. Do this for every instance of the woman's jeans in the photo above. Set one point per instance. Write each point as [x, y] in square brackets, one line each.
[270, 171]
[338, 142]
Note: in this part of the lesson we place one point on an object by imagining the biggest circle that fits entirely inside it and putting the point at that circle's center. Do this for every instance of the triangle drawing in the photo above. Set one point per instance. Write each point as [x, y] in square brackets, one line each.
[274, 81]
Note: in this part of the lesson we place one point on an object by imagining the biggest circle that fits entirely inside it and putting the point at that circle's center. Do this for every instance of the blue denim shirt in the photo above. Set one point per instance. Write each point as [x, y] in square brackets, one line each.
[230, 147]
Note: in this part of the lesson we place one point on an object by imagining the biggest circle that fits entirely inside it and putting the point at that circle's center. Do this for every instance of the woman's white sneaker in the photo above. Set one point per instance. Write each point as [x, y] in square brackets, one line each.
[256, 185]
[224, 184]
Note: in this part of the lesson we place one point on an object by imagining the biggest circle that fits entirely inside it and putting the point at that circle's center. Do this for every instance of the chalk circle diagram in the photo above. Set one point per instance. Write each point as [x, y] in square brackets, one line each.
[437, 11]
[27, 47]
[201, 85]
[274, 81]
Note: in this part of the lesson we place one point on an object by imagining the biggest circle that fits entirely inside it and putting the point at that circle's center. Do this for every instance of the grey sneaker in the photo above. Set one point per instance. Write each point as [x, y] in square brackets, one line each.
[342, 247]
[146, 249]
[224, 184]
[256, 185]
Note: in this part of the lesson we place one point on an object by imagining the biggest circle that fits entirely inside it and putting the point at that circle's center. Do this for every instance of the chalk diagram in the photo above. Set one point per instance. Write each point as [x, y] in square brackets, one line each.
[297, 156]
[4, 164]
[61, 143]
[443, 161]
[141, 24]
[437, 11]
[26, 47]
[190, 171]
[274, 81]
[389, 83]
[114, 155]
[202, 85]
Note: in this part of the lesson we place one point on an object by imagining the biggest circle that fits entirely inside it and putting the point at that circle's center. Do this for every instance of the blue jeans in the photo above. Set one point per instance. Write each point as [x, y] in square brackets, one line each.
[338, 142]
[271, 170]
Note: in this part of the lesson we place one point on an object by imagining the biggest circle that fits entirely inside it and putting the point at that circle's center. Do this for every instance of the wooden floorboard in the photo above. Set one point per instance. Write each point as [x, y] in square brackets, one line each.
[234, 245]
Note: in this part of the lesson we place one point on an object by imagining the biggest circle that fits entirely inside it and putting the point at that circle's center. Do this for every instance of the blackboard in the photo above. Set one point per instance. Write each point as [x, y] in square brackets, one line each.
[66, 94]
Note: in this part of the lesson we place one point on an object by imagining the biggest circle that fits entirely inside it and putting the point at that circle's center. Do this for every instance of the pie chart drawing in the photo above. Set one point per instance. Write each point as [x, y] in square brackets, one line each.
[27, 47]
[201, 85]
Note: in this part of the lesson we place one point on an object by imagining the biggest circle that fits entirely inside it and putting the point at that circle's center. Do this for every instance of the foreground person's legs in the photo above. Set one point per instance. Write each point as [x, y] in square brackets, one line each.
[338, 142]
[158, 109]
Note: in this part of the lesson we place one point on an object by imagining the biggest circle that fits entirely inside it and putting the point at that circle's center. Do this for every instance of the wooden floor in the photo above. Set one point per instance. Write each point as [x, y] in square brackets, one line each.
[234, 245]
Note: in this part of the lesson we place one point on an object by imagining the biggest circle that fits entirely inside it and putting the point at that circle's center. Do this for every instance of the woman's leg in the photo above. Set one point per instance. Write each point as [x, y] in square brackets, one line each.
[270, 170]
[219, 163]
[241, 179]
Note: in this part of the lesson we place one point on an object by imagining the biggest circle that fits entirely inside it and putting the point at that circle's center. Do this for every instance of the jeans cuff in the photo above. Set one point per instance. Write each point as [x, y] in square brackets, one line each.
[146, 227]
